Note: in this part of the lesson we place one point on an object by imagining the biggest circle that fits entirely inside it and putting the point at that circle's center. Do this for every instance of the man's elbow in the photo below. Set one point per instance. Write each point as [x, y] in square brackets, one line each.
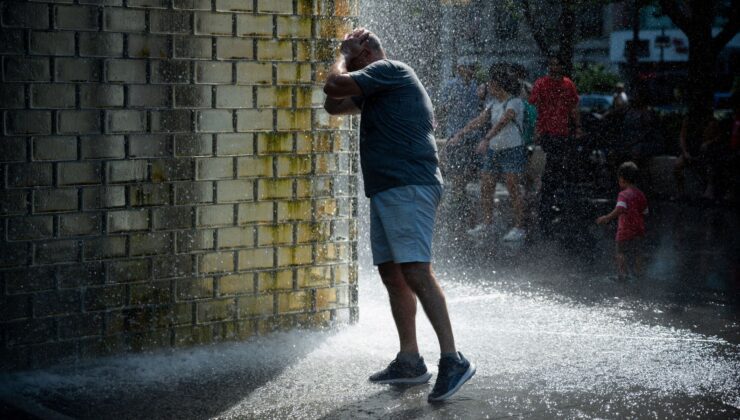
[333, 90]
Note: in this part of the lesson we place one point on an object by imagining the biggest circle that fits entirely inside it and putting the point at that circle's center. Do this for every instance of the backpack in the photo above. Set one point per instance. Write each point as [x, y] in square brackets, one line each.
[529, 122]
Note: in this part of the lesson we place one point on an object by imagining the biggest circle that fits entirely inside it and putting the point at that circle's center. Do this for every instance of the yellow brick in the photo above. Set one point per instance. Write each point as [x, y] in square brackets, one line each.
[322, 71]
[307, 7]
[275, 280]
[216, 262]
[255, 213]
[236, 284]
[253, 25]
[326, 298]
[294, 255]
[333, 28]
[274, 97]
[188, 289]
[327, 253]
[299, 119]
[275, 6]
[320, 319]
[304, 143]
[326, 164]
[216, 310]
[269, 143]
[304, 97]
[253, 120]
[245, 329]
[234, 190]
[293, 27]
[190, 335]
[294, 210]
[292, 73]
[324, 141]
[325, 50]
[326, 209]
[275, 234]
[326, 120]
[317, 97]
[304, 188]
[313, 232]
[253, 73]
[256, 258]
[344, 274]
[150, 293]
[293, 165]
[314, 277]
[302, 51]
[235, 237]
[322, 186]
[274, 50]
[269, 189]
[255, 305]
[346, 7]
[254, 166]
[294, 302]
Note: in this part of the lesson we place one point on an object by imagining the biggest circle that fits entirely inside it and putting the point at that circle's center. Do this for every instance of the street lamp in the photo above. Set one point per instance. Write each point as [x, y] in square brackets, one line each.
[662, 41]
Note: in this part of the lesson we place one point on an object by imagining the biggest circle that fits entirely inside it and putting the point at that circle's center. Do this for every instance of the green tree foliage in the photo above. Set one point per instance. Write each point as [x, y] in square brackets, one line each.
[594, 78]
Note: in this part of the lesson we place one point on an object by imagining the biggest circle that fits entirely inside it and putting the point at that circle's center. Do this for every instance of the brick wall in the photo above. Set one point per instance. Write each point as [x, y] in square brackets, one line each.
[169, 176]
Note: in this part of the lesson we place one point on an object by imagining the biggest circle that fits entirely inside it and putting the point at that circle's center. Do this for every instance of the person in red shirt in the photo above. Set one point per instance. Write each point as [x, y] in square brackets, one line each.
[631, 209]
[556, 99]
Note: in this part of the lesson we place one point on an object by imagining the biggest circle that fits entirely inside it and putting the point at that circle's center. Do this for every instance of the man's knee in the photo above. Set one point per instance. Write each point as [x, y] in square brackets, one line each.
[392, 276]
[417, 275]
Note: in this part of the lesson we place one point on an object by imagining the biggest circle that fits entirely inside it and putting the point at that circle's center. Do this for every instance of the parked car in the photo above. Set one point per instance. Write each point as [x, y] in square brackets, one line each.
[595, 102]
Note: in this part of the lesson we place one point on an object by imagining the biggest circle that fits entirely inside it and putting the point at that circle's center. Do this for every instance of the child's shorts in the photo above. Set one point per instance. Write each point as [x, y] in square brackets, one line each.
[631, 248]
[506, 161]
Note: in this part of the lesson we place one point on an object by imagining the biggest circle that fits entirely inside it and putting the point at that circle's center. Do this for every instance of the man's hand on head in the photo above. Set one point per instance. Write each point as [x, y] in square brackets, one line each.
[352, 44]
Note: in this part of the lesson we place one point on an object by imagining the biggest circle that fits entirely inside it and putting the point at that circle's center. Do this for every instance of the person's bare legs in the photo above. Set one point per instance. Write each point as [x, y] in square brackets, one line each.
[512, 184]
[419, 277]
[621, 265]
[403, 305]
[487, 195]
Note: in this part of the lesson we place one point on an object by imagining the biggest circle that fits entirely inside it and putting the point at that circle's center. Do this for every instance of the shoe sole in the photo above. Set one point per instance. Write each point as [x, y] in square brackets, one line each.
[418, 380]
[466, 376]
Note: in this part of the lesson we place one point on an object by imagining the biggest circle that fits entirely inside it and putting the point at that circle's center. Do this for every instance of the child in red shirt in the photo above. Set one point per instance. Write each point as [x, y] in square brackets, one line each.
[630, 209]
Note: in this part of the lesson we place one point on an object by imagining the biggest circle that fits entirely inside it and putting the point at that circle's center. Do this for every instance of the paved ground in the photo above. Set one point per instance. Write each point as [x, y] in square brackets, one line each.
[551, 333]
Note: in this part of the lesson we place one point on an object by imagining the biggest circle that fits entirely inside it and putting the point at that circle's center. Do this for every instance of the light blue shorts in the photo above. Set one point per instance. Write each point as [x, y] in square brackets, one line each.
[506, 161]
[402, 223]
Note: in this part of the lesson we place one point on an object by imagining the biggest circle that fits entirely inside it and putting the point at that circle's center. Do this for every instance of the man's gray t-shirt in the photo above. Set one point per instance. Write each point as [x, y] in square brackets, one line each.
[397, 145]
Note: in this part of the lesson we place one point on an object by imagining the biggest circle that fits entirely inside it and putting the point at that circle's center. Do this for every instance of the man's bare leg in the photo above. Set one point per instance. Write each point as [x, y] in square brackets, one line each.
[421, 280]
[403, 305]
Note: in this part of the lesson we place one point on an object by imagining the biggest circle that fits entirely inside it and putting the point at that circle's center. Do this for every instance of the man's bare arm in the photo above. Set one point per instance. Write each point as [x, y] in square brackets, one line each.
[340, 106]
[338, 83]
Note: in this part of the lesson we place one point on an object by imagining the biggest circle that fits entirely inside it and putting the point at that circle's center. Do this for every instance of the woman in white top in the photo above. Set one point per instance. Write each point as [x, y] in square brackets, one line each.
[504, 148]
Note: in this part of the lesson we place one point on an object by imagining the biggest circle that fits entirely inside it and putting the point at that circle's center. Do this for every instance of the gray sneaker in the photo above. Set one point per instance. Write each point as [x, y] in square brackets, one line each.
[402, 373]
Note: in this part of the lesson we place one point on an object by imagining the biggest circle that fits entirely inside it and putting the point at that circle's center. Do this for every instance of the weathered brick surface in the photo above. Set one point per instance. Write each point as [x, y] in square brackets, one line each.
[169, 177]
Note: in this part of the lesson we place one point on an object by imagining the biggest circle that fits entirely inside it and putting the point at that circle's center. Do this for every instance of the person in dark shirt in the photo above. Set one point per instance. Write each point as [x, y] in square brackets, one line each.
[400, 168]
[556, 99]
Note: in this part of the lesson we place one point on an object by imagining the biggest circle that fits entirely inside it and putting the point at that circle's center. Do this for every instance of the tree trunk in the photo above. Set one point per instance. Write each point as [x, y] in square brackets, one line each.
[700, 87]
[632, 58]
[701, 72]
[567, 27]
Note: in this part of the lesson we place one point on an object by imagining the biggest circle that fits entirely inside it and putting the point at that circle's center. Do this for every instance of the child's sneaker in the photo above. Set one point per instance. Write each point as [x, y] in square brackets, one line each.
[399, 372]
[452, 374]
[515, 235]
[479, 230]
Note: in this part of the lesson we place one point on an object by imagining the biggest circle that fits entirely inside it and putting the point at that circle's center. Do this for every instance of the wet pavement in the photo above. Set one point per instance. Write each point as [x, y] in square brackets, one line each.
[552, 335]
